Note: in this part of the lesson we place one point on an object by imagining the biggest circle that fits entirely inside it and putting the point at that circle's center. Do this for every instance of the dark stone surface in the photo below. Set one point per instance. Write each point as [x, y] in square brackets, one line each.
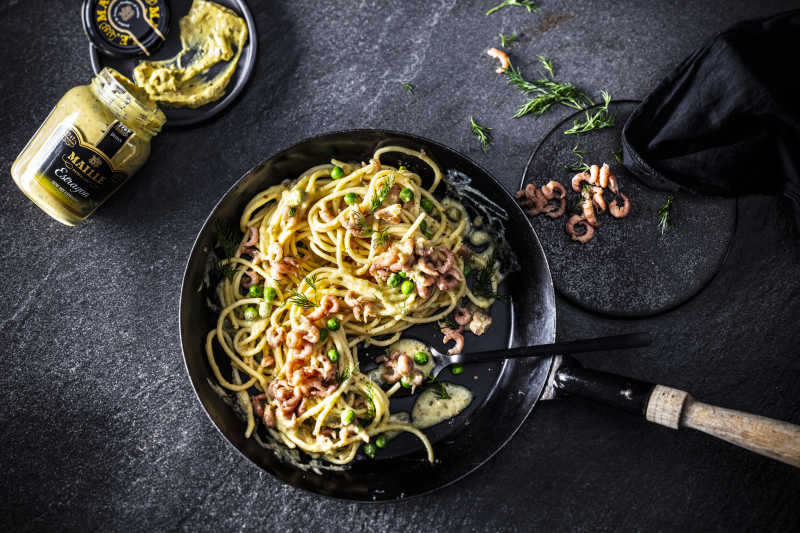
[100, 428]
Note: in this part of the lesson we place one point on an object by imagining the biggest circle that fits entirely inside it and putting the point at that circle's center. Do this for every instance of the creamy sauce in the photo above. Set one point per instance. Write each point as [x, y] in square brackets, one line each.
[210, 33]
[429, 409]
[401, 417]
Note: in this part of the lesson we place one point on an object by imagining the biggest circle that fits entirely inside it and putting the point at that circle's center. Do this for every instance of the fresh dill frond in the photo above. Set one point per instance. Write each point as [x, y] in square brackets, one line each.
[438, 388]
[618, 156]
[312, 282]
[382, 236]
[548, 91]
[483, 133]
[301, 300]
[599, 120]
[506, 40]
[228, 241]
[665, 215]
[527, 4]
[408, 87]
[483, 280]
[380, 196]
[447, 322]
[344, 375]
[580, 165]
[547, 64]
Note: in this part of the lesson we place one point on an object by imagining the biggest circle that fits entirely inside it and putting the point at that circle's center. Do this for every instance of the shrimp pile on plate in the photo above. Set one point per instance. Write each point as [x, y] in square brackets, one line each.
[550, 199]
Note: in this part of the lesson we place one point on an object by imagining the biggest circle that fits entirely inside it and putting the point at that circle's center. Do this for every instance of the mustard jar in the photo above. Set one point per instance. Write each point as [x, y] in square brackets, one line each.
[93, 141]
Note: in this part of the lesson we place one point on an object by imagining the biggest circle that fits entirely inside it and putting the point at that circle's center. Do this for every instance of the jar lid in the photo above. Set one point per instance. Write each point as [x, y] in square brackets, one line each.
[126, 28]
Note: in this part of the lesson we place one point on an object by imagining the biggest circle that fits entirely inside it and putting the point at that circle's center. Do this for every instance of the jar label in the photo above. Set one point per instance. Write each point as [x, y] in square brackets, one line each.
[81, 170]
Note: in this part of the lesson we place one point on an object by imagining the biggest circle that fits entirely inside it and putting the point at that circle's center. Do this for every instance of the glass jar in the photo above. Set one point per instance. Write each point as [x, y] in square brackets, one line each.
[93, 141]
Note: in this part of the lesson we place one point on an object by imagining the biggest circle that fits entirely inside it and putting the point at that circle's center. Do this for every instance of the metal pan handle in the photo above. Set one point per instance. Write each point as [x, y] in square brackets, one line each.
[676, 409]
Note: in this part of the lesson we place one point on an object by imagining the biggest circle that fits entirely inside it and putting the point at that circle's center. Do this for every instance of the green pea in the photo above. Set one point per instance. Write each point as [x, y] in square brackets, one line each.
[426, 204]
[423, 228]
[420, 358]
[336, 173]
[255, 291]
[370, 449]
[395, 280]
[406, 195]
[401, 167]
[250, 312]
[402, 275]
[380, 441]
[405, 384]
[457, 369]
[333, 323]
[270, 293]
[407, 287]
[348, 416]
[323, 334]
[333, 354]
[350, 198]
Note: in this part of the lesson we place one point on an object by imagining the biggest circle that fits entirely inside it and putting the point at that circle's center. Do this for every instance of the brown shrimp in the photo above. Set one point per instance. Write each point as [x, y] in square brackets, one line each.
[618, 211]
[502, 57]
[598, 200]
[549, 190]
[462, 316]
[576, 220]
[456, 336]
[275, 336]
[577, 179]
[588, 210]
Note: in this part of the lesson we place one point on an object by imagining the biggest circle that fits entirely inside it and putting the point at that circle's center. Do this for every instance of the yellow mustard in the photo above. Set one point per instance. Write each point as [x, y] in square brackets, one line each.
[93, 141]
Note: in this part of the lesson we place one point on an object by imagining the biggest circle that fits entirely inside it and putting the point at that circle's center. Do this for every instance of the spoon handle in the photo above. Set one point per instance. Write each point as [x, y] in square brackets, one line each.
[614, 342]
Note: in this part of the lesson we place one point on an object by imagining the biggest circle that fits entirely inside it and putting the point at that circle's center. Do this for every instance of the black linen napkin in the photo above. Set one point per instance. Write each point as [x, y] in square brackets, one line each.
[727, 120]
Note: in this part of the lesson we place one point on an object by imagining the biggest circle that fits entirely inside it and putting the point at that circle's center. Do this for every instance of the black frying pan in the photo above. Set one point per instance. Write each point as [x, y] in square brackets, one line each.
[505, 393]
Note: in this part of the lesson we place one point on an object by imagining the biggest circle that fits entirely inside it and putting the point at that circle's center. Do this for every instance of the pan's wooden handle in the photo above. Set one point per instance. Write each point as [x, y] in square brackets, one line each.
[676, 409]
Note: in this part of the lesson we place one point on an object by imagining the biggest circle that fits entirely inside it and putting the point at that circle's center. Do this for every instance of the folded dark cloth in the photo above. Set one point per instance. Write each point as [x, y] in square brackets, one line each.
[727, 120]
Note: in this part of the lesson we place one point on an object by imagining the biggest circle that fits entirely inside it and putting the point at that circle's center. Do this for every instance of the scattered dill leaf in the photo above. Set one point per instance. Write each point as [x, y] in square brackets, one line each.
[467, 269]
[447, 322]
[312, 282]
[547, 64]
[301, 300]
[344, 375]
[228, 241]
[380, 196]
[292, 211]
[506, 40]
[548, 92]
[599, 120]
[382, 236]
[483, 281]
[483, 133]
[580, 165]
[438, 388]
[618, 156]
[665, 215]
[527, 4]
[408, 87]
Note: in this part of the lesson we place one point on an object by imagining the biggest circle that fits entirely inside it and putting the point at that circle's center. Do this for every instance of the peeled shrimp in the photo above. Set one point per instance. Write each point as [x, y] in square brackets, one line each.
[588, 210]
[502, 57]
[598, 200]
[551, 188]
[618, 211]
[576, 220]
[577, 179]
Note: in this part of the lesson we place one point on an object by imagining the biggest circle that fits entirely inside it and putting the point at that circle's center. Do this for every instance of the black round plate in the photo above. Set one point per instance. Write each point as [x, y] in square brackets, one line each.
[504, 393]
[629, 268]
[177, 116]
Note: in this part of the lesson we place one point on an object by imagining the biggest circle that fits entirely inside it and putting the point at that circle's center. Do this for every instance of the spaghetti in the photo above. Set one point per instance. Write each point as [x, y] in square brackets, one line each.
[345, 254]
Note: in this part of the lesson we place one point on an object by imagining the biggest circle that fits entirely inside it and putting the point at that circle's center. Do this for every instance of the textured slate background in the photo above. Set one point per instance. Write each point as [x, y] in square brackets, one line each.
[99, 427]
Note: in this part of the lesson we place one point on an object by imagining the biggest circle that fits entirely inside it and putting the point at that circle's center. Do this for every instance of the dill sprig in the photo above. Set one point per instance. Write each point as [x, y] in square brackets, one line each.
[440, 390]
[618, 156]
[527, 4]
[483, 280]
[344, 375]
[382, 236]
[312, 282]
[548, 92]
[665, 215]
[301, 300]
[599, 120]
[580, 165]
[380, 196]
[483, 133]
[547, 64]
[408, 87]
[506, 40]
[228, 241]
